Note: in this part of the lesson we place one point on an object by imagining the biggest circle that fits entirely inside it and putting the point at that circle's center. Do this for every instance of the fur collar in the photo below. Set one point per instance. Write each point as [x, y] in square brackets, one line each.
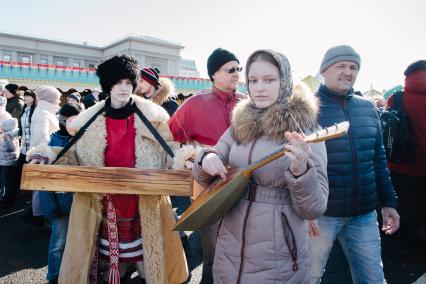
[164, 92]
[46, 106]
[153, 112]
[250, 123]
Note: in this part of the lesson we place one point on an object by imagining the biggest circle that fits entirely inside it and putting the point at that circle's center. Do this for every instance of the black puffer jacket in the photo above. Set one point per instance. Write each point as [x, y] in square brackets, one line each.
[14, 106]
[170, 106]
[357, 173]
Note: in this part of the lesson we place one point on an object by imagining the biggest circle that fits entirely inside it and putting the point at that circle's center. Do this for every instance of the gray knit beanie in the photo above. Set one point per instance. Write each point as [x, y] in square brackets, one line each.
[339, 53]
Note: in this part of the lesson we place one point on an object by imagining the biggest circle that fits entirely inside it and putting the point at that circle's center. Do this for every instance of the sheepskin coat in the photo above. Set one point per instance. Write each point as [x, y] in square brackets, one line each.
[86, 212]
[264, 237]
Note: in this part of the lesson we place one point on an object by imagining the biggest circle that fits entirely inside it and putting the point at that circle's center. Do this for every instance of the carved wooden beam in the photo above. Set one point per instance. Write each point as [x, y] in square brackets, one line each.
[106, 180]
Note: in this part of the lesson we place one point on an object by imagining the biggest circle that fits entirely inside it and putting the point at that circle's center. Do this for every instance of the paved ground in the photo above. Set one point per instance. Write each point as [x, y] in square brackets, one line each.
[23, 255]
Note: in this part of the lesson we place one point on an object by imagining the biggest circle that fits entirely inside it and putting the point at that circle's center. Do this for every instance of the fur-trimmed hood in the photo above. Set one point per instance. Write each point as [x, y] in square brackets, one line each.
[164, 92]
[300, 109]
[286, 79]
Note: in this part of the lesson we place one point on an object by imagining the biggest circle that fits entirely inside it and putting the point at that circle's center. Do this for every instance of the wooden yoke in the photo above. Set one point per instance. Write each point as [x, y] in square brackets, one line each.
[106, 180]
[150, 183]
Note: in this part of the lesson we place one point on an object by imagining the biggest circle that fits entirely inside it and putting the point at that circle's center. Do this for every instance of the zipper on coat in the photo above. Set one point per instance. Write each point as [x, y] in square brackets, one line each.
[354, 165]
[251, 198]
[290, 240]
[218, 228]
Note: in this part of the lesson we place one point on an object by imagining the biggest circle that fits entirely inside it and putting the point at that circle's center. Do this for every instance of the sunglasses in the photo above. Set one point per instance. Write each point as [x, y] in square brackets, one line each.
[233, 70]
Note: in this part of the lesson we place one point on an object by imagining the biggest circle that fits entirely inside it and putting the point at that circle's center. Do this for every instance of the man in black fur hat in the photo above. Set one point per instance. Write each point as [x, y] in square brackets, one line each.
[110, 232]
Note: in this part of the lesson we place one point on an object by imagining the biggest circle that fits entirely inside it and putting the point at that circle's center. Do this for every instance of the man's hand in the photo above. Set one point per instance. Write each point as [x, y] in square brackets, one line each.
[71, 131]
[38, 159]
[313, 228]
[189, 164]
[390, 220]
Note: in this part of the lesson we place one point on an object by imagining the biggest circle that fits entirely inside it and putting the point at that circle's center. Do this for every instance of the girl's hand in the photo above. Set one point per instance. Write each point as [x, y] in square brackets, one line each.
[214, 166]
[298, 152]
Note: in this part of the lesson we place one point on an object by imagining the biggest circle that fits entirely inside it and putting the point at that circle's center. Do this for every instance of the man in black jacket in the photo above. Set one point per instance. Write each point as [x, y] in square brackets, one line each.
[15, 103]
[357, 173]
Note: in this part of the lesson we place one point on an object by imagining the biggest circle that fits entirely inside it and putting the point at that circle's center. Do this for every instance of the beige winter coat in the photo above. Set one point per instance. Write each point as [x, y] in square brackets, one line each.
[267, 241]
[86, 211]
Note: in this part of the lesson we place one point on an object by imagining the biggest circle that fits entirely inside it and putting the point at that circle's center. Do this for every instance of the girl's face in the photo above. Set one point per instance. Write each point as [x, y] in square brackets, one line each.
[263, 83]
[121, 92]
[28, 100]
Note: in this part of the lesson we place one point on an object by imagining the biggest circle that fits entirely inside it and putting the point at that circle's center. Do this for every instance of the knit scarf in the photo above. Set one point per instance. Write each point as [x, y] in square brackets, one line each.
[114, 273]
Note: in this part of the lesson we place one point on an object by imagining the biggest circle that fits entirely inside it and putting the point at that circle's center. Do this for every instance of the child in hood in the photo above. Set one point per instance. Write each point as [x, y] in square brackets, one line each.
[9, 144]
[3, 113]
[9, 153]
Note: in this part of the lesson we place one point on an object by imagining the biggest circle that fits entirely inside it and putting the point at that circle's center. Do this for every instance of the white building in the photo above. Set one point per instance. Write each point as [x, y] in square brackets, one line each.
[31, 62]
[149, 51]
[188, 68]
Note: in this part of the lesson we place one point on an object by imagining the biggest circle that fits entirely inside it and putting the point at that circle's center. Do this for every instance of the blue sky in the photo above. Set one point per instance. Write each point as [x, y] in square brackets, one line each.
[388, 34]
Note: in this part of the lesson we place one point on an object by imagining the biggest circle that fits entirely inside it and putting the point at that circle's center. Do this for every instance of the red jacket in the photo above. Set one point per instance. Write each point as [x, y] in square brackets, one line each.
[204, 117]
[414, 104]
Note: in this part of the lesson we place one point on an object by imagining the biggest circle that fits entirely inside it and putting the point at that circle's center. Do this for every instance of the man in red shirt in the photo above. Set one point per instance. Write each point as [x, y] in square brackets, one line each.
[203, 119]
[409, 178]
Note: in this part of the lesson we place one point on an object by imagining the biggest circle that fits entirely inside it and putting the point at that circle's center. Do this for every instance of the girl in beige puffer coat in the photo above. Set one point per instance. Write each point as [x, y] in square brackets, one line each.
[264, 237]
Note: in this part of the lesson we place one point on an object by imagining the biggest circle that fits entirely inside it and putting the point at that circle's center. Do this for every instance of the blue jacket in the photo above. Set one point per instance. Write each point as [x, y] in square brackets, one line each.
[52, 204]
[357, 173]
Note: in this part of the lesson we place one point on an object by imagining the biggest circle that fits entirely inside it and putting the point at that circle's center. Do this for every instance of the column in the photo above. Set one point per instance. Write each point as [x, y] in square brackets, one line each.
[14, 55]
[36, 58]
[170, 67]
[142, 61]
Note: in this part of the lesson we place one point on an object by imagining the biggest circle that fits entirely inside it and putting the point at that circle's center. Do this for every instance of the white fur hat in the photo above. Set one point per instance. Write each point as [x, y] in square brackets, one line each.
[48, 93]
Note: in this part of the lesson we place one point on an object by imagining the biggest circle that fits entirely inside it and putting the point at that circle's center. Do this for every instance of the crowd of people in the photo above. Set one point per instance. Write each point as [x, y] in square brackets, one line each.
[294, 209]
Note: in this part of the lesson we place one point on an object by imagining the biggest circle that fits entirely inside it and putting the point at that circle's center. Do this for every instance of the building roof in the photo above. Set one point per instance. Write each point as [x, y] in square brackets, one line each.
[146, 39]
[36, 38]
